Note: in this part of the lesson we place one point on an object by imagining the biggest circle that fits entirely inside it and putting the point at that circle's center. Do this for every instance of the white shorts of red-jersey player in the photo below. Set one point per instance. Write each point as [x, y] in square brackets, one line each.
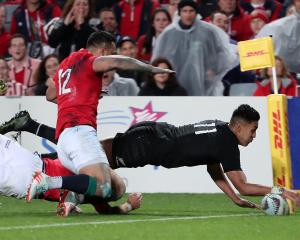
[78, 147]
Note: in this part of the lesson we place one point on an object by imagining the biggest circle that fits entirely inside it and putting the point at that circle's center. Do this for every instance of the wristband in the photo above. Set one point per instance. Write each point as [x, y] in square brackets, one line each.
[277, 190]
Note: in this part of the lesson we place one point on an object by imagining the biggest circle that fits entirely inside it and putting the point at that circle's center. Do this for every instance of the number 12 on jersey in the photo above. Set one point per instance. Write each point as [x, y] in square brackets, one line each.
[63, 79]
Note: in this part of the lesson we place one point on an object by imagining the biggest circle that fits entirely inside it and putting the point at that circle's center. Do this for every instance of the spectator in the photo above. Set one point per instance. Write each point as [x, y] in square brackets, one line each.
[207, 7]
[118, 86]
[239, 21]
[164, 84]
[235, 75]
[220, 20]
[4, 77]
[285, 82]
[290, 10]
[4, 35]
[45, 73]
[72, 30]
[29, 20]
[22, 67]
[272, 7]
[127, 47]
[159, 21]
[259, 18]
[172, 7]
[13, 88]
[199, 51]
[134, 16]
[286, 32]
[176, 15]
[109, 22]
[101, 4]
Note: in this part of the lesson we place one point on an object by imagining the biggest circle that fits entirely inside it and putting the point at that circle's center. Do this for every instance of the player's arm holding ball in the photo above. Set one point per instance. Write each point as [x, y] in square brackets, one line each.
[239, 180]
[216, 173]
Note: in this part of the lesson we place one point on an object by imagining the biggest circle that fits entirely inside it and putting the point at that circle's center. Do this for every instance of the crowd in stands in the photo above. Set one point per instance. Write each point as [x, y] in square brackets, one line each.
[196, 38]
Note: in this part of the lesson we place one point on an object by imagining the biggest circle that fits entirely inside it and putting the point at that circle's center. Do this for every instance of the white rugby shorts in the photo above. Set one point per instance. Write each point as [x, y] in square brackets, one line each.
[79, 147]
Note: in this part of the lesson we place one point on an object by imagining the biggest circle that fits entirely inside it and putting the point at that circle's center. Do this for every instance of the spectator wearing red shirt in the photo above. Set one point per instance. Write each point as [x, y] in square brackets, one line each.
[4, 35]
[285, 82]
[29, 19]
[239, 28]
[272, 7]
[159, 21]
[22, 67]
[13, 88]
[259, 18]
[134, 16]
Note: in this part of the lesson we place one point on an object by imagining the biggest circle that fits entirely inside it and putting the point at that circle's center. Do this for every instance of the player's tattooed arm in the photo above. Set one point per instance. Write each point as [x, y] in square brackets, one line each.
[107, 63]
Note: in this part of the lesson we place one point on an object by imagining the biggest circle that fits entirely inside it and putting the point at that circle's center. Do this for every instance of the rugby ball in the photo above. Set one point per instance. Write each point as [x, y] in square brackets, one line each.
[275, 204]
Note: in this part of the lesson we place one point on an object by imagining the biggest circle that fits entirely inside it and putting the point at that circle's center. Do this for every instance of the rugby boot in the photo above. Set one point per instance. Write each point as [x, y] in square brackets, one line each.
[17, 123]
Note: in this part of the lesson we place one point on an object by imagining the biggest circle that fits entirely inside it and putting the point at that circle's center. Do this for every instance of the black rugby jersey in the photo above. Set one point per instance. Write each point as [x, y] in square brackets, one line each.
[162, 144]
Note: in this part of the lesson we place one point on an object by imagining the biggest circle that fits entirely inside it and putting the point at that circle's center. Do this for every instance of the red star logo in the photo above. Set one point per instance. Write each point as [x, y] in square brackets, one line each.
[145, 114]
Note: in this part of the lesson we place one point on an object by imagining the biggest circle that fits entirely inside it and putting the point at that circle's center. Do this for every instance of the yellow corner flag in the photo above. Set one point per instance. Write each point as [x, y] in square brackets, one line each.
[279, 139]
[256, 54]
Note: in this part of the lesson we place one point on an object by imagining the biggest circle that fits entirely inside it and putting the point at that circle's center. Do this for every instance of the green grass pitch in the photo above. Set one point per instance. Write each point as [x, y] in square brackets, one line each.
[162, 216]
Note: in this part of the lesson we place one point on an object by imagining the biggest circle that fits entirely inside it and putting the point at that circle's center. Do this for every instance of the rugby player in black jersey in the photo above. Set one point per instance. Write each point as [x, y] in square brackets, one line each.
[212, 142]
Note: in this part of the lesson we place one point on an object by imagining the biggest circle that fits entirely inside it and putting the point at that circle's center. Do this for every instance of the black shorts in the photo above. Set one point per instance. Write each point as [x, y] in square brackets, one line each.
[142, 144]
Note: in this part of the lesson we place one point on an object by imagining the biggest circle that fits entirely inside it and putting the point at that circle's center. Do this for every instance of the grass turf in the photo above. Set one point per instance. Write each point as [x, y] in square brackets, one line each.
[162, 216]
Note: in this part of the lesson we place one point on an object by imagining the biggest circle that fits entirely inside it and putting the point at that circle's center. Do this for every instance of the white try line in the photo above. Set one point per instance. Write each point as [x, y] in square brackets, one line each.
[55, 225]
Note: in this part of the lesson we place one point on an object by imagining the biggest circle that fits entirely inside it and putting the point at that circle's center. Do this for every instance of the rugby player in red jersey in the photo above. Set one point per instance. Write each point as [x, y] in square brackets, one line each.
[78, 86]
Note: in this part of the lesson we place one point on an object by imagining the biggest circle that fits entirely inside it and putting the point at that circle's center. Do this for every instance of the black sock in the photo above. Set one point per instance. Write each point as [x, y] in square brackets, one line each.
[78, 183]
[52, 156]
[32, 126]
[41, 130]
[47, 132]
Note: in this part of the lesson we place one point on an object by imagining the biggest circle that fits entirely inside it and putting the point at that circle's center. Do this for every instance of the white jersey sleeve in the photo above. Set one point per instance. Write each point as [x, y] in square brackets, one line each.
[17, 166]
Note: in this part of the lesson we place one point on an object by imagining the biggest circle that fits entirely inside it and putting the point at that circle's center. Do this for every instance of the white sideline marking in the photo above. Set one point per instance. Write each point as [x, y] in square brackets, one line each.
[121, 221]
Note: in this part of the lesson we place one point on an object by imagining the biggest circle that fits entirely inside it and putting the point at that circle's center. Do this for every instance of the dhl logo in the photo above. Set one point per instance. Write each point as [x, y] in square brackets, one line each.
[256, 53]
[277, 130]
[280, 180]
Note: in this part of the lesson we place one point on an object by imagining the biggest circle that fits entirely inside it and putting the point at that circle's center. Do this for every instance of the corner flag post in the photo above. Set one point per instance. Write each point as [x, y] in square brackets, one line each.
[257, 54]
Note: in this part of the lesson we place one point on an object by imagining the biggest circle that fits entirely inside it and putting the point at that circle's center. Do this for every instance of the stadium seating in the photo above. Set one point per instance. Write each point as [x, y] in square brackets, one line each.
[242, 89]
[10, 8]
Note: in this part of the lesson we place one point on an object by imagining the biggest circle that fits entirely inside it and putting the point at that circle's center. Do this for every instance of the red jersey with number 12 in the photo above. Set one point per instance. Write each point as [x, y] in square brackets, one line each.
[78, 89]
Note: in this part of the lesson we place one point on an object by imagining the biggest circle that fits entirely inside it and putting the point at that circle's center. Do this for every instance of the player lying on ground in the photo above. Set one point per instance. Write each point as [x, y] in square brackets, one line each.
[18, 165]
[213, 143]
